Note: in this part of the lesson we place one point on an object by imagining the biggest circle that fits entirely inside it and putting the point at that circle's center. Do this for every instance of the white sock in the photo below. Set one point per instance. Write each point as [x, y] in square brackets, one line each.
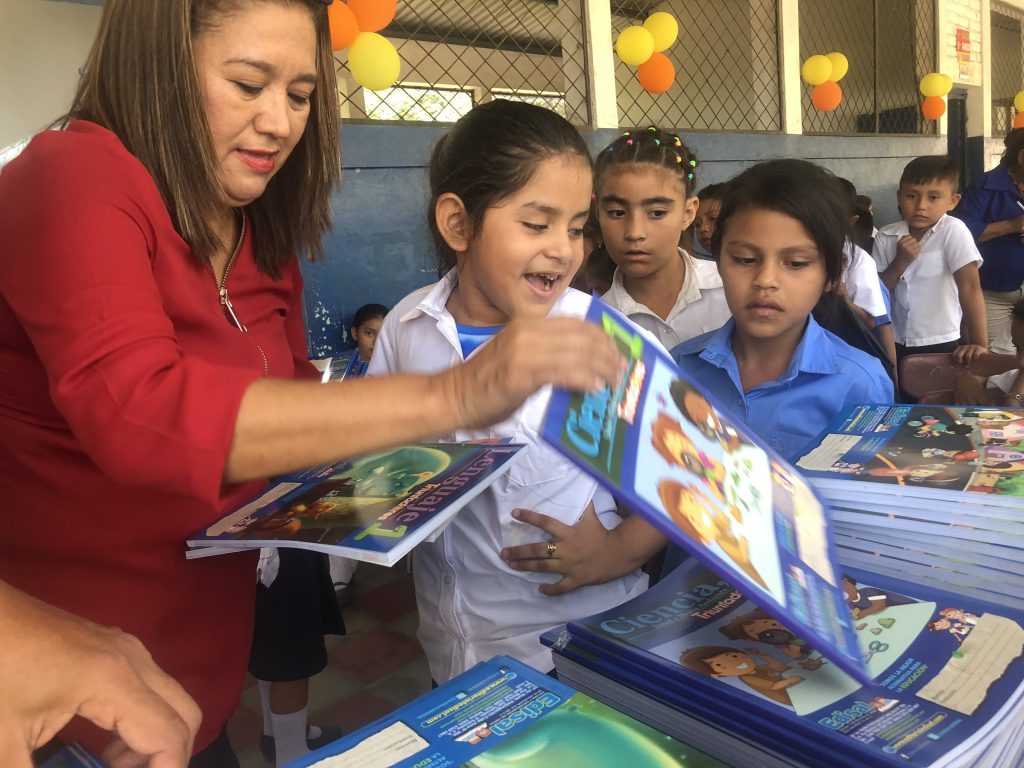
[312, 732]
[290, 736]
[264, 687]
[342, 569]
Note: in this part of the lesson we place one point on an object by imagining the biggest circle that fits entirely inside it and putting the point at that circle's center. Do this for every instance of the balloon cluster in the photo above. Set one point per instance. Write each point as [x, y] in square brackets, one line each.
[934, 86]
[355, 25]
[642, 46]
[824, 73]
[1018, 104]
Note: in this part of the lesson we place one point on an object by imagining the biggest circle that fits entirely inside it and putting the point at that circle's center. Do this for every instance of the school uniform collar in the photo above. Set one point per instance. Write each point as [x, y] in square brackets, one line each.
[901, 228]
[688, 294]
[814, 354]
[434, 302]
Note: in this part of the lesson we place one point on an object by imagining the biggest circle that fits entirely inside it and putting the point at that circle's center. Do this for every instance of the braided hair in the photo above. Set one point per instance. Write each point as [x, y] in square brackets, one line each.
[650, 145]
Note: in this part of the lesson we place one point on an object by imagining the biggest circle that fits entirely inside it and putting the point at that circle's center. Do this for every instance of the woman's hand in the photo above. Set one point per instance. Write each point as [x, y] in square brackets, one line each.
[525, 356]
[586, 553]
[54, 665]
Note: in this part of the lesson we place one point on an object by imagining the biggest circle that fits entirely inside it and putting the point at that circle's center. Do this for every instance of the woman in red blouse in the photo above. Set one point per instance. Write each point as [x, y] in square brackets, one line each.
[153, 365]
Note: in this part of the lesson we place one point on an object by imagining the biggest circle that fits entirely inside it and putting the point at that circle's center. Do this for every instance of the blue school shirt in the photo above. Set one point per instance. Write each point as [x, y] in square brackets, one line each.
[824, 375]
[994, 197]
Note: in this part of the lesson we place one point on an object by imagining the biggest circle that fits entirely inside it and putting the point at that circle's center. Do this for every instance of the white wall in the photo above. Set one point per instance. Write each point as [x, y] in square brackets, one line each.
[42, 45]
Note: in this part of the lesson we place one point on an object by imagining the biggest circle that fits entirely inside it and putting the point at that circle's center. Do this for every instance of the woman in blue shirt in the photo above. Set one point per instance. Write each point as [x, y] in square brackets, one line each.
[993, 209]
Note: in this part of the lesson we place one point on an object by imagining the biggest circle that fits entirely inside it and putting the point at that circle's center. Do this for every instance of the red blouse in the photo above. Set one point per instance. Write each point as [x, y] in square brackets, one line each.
[120, 381]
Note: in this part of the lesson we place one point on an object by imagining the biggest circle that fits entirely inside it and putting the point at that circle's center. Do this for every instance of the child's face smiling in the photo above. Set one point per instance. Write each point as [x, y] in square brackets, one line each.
[922, 205]
[642, 210]
[528, 247]
[773, 275]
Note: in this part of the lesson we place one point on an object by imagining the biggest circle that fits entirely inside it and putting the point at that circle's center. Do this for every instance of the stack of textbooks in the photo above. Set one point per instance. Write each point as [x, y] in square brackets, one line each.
[694, 657]
[930, 494]
[503, 713]
[762, 641]
[375, 508]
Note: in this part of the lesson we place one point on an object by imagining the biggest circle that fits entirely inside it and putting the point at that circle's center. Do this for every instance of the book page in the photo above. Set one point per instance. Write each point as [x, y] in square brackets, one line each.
[983, 657]
[386, 747]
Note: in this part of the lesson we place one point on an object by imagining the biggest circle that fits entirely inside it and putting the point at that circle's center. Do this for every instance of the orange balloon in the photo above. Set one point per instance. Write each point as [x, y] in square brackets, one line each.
[826, 96]
[933, 108]
[656, 74]
[344, 27]
[372, 15]
[1018, 120]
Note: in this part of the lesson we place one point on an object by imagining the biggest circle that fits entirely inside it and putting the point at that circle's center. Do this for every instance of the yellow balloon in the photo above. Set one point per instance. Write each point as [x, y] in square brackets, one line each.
[374, 61]
[1018, 101]
[947, 84]
[933, 84]
[635, 45]
[816, 69]
[663, 29]
[840, 66]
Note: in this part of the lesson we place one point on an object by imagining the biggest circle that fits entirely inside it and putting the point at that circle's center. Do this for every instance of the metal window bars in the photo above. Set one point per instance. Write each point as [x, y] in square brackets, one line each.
[1007, 25]
[890, 45]
[511, 48]
[727, 67]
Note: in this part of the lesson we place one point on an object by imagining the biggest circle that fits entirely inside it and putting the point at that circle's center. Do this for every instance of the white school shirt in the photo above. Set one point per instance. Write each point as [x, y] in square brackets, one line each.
[471, 605]
[926, 304]
[700, 306]
[863, 285]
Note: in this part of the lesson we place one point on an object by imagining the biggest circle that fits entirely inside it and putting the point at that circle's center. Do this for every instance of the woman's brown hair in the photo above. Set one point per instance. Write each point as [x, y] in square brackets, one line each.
[140, 82]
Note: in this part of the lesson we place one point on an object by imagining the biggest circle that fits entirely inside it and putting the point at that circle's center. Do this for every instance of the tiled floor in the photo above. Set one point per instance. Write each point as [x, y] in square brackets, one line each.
[375, 668]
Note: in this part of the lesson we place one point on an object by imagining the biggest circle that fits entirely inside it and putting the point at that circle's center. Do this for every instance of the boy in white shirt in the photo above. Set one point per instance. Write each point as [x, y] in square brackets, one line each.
[644, 183]
[929, 262]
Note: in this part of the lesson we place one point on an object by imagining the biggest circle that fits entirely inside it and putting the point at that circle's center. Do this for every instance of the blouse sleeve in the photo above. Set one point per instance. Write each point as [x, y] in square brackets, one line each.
[79, 227]
[973, 207]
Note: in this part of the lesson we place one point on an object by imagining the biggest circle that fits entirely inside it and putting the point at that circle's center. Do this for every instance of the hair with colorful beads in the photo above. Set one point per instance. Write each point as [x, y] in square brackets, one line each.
[650, 145]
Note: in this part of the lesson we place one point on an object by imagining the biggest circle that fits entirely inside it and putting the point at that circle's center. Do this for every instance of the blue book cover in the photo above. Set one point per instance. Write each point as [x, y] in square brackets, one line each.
[671, 453]
[503, 713]
[963, 455]
[375, 508]
[72, 756]
[946, 671]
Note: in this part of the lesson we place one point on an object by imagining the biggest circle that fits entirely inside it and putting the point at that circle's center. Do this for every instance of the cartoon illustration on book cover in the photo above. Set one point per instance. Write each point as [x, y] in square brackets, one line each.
[965, 449]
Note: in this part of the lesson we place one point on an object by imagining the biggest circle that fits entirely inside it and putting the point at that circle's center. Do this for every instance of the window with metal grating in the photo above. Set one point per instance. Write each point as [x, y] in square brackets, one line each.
[1007, 64]
[526, 49]
[890, 45]
[727, 67]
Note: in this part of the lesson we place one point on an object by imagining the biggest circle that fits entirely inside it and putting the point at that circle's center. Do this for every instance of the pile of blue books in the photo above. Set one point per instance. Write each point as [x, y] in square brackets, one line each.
[504, 713]
[766, 639]
[695, 658]
[930, 494]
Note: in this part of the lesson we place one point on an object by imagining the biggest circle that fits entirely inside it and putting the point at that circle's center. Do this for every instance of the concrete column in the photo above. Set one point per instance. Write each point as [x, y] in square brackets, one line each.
[604, 108]
[789, 65]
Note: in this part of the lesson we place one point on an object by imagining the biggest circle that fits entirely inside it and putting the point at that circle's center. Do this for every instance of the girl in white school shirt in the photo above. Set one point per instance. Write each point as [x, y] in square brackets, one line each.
[510, 193]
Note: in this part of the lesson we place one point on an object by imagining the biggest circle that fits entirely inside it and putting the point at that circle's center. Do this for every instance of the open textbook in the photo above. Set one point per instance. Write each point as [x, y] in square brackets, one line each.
[374, 508]
[672, 454]
[946, 672]
[503, 713]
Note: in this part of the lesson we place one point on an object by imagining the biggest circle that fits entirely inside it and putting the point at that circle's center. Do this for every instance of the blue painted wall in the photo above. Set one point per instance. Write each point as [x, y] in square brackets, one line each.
[380, 248]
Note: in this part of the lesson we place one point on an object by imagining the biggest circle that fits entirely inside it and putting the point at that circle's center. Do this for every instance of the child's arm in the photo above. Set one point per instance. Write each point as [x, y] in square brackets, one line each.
[908, 248]
[586, 553]
[972, 302]
[888, 341]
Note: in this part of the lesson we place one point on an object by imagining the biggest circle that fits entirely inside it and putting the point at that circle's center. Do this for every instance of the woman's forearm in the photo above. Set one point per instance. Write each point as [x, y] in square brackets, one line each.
[288, 425]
